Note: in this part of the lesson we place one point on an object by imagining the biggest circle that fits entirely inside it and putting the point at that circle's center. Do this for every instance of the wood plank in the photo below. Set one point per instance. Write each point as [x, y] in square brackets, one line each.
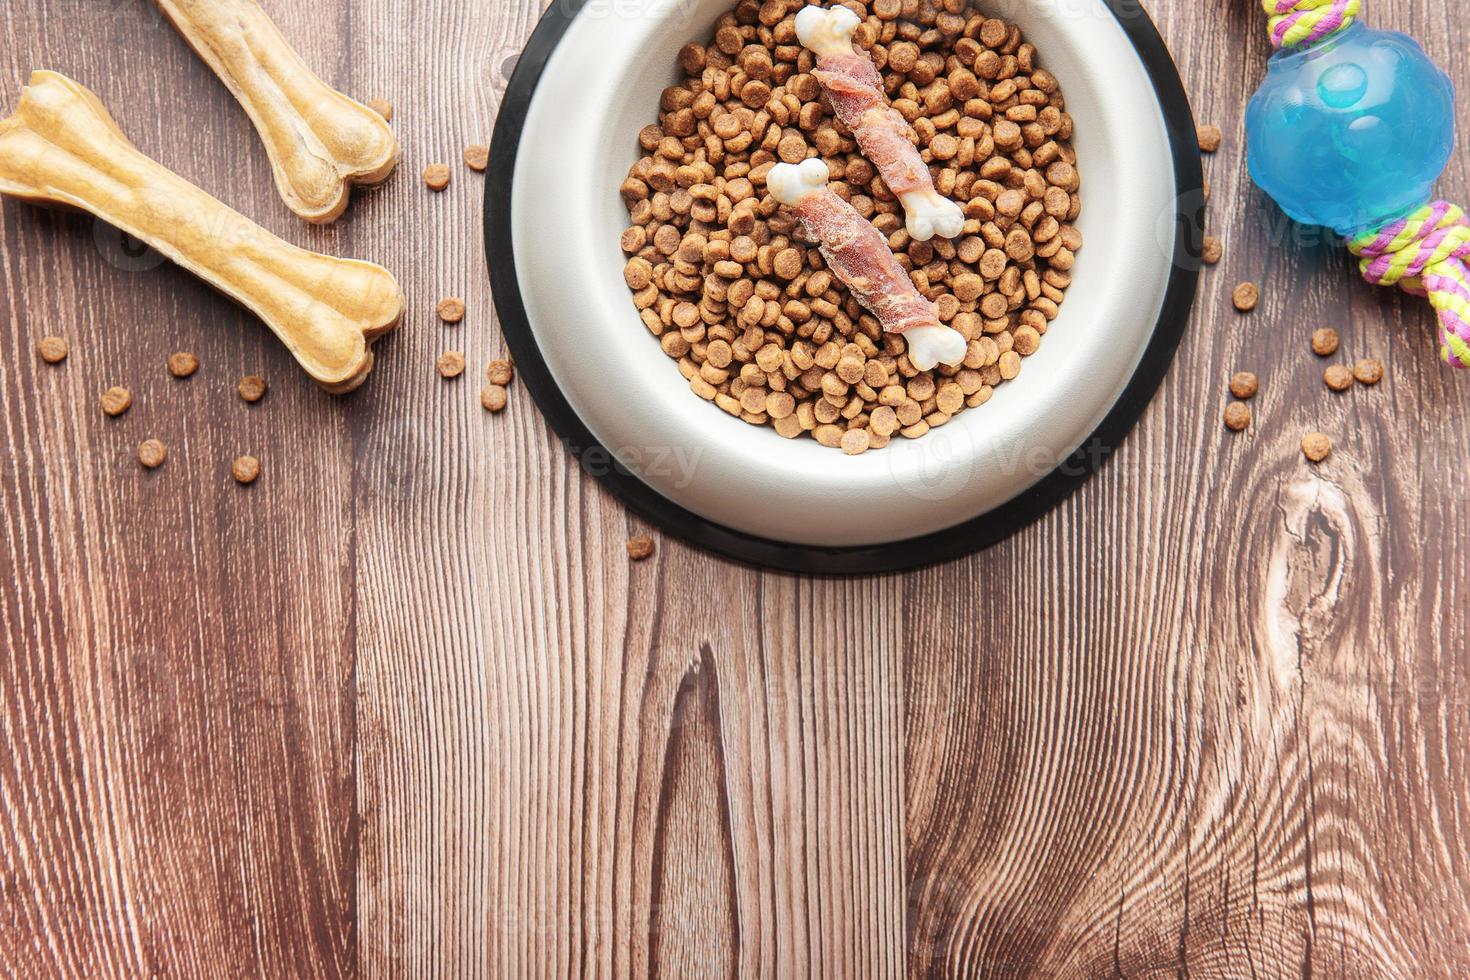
[404, 708]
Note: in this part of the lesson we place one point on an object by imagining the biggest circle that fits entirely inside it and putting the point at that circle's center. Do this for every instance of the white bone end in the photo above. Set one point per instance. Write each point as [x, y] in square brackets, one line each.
[826, 30]
[791, 183]
[931, 346]
[929, 213]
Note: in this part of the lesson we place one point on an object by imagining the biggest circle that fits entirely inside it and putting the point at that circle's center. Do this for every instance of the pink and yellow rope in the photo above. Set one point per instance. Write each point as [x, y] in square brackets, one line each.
[1298, 22]
[1425, 254]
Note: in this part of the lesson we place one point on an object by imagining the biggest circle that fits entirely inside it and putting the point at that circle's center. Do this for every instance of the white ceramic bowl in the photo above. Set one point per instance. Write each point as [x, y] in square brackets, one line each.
[567, 136]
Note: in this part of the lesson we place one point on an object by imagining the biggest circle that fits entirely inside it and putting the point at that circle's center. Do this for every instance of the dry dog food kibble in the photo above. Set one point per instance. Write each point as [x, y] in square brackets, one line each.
[436, 176]
[1338, 378]
[1213, 252]
[53, 350]
[1324, 342]
[245, 470]
[1246, 296]
[183, 364]
[493, 398]
[1209, 138]
[450, 364]
[252, 388]
[1316, 447]
[152, 453]
[477, 157]
[733, 290]
[382, 107]
[500, 372]
[451, 309]
[1368, 372]
[1244, 385]
[1237, 416]
[116, 400]
[640, 547]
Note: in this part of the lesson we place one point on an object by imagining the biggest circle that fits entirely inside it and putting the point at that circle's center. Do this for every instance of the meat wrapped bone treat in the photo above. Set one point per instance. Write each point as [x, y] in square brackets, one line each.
[62, 148]
[855, 90]
[319, 141]
[859, 256]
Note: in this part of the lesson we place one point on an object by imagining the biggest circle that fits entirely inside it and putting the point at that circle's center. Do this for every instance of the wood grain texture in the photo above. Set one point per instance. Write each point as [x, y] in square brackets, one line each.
[404, 708]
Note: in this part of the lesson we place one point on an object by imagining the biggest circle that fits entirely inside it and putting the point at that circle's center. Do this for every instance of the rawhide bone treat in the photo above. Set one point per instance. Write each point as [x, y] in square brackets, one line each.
[62, 148]
[859, 256]
[319, 141]
[855, 90]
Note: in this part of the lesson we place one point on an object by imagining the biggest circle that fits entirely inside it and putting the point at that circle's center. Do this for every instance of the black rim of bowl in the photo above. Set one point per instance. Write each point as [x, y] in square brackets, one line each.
[963, 539]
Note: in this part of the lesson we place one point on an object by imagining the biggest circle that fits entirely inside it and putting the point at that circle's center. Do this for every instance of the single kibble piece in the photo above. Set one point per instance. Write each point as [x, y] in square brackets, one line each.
[1244, 385]
[436, 176]
[477, 157]
[450, 309]
[1316, 447]
[1213, 251]
[1338, 378]
[1246, 296]
[500, 372]
[382, 107]
[640, 547]
[152, 453]
[252, 388]
[493, 398]
[1368, 371]
[183, 364]
[855, 442]
[1324, 342]
[1237, 416]
[1209, 138]
[116, 400]
[450, 364]
[245, 470]
[53, 350]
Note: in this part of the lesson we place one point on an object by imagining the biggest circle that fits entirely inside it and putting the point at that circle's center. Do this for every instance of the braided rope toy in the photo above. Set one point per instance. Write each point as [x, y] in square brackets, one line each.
[1349, 131]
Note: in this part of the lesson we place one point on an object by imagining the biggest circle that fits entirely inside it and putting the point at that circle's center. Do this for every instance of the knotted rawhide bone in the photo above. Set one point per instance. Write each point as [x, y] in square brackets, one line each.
[855, 90]
[859, 256]
[319, 141]
[62, 148]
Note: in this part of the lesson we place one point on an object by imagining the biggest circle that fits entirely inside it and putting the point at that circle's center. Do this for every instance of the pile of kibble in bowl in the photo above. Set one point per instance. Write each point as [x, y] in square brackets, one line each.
[727, 282]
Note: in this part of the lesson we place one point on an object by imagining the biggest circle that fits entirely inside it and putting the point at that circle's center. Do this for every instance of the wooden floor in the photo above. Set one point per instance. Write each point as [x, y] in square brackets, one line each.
[404, 708]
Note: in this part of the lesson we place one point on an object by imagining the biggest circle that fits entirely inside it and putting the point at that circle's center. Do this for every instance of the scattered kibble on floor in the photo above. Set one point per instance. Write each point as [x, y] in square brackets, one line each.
[1246, 296]
[1368, 371]
[1210, 138]
[493, 398]
[1338, 378]
[450, 309]
[1324, 342]
[450, 364]
[152, 453]
[116, 400]
[1244, 385]
[382, 107]
[1213, 251]
[1316, 447]
[182, 364]
[1237, 416]
[500, 372]
[477, 157]
[245, 470]
[252, 388]
[436, 176]
[640, 547]
[53, 350]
